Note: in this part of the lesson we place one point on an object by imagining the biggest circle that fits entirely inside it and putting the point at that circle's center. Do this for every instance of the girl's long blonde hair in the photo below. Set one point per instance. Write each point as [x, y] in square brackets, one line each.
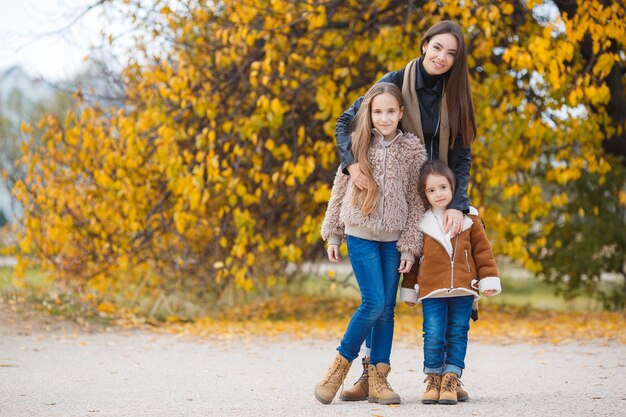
[367, 200]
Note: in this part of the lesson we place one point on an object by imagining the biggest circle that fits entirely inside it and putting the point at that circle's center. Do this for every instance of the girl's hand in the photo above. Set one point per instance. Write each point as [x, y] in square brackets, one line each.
[333, 253]
[453, 222]
[357, 176]
[409, 304]
[405, 266]
[489, 293]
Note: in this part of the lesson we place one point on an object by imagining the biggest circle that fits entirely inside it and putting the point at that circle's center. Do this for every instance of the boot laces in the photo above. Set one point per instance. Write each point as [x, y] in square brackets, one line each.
[381, 382]
[433, 383]
[450, 383]
[365, 375]
[335, 369]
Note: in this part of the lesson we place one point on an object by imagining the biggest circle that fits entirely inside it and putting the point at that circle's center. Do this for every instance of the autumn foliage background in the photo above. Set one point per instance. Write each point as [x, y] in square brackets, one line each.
[215, 172]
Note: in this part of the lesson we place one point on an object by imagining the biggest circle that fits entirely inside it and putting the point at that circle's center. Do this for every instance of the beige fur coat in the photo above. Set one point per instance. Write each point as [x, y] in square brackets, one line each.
[400, 209]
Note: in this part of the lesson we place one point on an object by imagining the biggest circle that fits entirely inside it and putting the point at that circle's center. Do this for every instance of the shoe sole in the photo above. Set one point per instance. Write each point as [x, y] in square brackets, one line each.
[383, 402]
[353, 399]
[447, 402]
[320, 399]
[463, 399]
[429, 401]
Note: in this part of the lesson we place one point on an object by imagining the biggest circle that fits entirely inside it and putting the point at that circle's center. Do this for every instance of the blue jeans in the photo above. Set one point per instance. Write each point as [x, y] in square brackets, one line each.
[446, 322]
[375, 266]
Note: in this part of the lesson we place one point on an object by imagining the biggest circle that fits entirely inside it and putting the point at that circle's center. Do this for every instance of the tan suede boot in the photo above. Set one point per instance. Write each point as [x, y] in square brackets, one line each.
[379, 389]
[449, 384]
[360, 390]
[327, 388]
[461, 394]
[433, 385]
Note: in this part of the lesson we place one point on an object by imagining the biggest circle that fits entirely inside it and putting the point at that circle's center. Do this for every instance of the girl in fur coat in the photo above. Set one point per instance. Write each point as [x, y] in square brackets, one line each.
[453, 271]
[381, 228]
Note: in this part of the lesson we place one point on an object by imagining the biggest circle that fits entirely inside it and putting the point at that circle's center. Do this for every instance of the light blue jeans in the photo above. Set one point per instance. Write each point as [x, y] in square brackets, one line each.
[446, 323]
[375, 266]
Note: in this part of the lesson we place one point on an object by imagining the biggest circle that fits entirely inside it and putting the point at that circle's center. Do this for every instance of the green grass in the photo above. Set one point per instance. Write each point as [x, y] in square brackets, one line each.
[40, 294]
[519, 290]
[529, 292]
[6, 276]
[35, 280]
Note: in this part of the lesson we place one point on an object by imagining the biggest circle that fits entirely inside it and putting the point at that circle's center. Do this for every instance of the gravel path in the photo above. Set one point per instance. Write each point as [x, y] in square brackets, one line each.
[64, 371]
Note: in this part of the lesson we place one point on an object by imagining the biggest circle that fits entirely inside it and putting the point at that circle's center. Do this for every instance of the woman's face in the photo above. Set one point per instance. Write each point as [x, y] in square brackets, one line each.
[439, 53]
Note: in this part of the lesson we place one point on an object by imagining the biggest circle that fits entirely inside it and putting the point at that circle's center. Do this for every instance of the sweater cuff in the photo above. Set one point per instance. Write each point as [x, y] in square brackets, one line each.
[489, 283]
[334, 240]
[406, 256]
[408, 295]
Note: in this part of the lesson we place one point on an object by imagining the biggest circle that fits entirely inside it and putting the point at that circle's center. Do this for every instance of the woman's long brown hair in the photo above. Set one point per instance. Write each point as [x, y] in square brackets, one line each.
[367, 200]
[458, 92]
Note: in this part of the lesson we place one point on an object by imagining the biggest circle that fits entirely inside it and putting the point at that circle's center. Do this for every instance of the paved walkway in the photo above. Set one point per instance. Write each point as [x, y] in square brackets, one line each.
[59, 370]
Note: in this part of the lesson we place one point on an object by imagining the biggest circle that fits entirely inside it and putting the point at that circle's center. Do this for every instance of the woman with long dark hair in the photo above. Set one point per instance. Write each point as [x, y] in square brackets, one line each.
[438, 108]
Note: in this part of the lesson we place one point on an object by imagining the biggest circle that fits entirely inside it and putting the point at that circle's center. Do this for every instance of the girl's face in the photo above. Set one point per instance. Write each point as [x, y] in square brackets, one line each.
[439, 53]
[438, 191]
[386, 114]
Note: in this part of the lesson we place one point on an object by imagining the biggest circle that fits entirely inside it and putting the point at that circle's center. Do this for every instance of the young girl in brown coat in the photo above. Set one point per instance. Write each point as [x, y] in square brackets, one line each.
[453, 271]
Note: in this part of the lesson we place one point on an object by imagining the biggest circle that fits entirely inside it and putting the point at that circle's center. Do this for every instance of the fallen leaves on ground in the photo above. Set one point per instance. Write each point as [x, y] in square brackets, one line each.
[327, 318]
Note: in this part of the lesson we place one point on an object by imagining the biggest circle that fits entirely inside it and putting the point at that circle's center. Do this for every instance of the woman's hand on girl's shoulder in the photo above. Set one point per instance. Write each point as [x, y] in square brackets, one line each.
[333, 253]
[453, 222]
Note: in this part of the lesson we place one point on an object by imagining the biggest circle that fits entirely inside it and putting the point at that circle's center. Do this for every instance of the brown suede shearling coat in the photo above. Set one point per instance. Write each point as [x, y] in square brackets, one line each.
[463, 265]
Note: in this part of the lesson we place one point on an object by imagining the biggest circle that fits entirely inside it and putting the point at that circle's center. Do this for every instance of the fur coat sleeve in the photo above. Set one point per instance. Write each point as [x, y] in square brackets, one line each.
[332, 226]
[411, 239]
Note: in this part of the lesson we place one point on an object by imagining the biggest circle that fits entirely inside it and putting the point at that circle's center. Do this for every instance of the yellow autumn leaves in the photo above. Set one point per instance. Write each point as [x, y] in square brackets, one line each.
[218, 169]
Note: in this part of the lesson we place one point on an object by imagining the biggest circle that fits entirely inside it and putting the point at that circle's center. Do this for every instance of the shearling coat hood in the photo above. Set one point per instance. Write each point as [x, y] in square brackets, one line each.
[395, 169]
[463, 265]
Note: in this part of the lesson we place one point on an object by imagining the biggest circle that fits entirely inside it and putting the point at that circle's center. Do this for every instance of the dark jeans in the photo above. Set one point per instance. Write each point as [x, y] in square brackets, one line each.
[445, 325]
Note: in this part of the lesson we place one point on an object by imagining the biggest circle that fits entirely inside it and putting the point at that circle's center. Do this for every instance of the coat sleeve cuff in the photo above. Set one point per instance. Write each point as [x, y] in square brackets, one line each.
[334, 240]
[406, 256]
[408, 295]
[490, 283]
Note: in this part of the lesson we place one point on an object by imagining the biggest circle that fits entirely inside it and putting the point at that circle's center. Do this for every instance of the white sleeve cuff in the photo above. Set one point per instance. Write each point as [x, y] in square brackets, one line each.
[489, 283]
[408, 295]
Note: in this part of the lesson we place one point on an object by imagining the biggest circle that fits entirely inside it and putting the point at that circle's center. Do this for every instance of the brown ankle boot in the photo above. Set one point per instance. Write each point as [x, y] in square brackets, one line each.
[327, 388]
[461, 394]
[449, 384]
[360, 390]
[433, 385]
[379, 389]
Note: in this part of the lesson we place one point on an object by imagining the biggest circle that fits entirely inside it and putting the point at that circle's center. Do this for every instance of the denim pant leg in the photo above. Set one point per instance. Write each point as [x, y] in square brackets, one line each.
[459, 312]
[366, 264]
[382, 335]
[367, 351]
[434, 320]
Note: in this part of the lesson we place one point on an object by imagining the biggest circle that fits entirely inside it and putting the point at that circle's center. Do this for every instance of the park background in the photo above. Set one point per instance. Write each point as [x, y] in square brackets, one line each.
[179, 181]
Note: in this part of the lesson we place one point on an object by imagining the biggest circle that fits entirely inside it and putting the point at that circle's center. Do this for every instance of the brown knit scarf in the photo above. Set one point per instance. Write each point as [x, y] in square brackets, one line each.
[412, 120]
